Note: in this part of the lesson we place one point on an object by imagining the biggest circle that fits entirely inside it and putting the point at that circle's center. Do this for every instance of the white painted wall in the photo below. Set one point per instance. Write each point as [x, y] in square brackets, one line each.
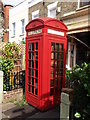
[16, 14]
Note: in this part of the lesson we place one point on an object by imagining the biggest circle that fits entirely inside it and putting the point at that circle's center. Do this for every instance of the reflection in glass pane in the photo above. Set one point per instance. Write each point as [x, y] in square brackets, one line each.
[36, 64]
[52, 55]
[32, 64]
[36, 73]
[32, 72]
[29, 88]
[36, 91]
[51, 83]
[29, 55]
[36, 57]
[29, 46]
[52, 46]
[29, 63]
[36, 46]
[33, 89]
[29, 71]
[36, 83]
[57, 46]
[61, 47]
[32, 81]
[52, 63]
[57, 55]
[61, 55]
[33, 55]
[32, 46]
[51, 91]
[56, 64]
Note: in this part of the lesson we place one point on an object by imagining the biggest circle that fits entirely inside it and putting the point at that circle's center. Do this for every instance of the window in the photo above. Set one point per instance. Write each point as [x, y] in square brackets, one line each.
[23, 24]
[35, 14]
[13, 31]
[33, 68]
[82, 3]
[52, 10]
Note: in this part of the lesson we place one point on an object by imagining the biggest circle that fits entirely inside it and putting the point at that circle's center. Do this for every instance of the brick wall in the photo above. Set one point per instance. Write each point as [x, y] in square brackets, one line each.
[6, 24]
[14, 95]
[43, 10]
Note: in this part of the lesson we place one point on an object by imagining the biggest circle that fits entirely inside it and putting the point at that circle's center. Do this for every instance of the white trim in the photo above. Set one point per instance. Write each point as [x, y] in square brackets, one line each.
[78, 4]
[33, 2]
[55, 32]
[53, 5]
[35, 13]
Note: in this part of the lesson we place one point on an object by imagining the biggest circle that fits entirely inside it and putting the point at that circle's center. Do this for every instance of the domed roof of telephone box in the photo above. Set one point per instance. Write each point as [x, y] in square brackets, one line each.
[46, 21]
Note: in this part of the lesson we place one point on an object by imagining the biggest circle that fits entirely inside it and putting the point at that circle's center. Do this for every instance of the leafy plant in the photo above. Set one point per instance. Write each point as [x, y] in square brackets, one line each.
[10, 54]
[80, 79]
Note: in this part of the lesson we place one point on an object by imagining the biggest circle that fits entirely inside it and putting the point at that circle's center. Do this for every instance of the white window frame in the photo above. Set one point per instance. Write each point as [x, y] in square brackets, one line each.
[82, 6]
[22, 26]
[69, 55]
[51, 7]
[35, 13]
[13, 28]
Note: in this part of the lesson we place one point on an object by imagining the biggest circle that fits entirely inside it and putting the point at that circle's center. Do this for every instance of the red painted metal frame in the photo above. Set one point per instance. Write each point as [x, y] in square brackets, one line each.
[43, 100]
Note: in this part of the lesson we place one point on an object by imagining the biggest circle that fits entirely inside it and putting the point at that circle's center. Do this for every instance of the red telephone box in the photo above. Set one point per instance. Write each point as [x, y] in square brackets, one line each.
[46, 45]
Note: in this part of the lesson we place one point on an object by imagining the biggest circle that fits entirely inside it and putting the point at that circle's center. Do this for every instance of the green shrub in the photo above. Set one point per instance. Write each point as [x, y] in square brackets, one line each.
[80, 77]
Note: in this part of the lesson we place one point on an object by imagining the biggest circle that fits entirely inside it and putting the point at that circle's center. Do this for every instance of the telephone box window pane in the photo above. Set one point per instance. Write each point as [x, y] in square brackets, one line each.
[32, 46]
[29, 71]
[36, 57]
[57, 55]
[29, 63]
[51, 91]
[52, 46]
[36, 64]
[33, 55]
[32, 72]
[56, 64]
[56, 81]
[29, 88]
[29, 80]
[61, 47]
[36, 91]
[29, 55]
[61, 55]
[36, 73]
[32, 64]
[29, 46]
[33, 89]
[52, 63]
[61, 64]
[52, 55]
[36, 83]
[52, 76]
[32, 81]
[36, 46]
[61, 72]
[51, 83]
[57, 46]
[56, 90]
[52, 71]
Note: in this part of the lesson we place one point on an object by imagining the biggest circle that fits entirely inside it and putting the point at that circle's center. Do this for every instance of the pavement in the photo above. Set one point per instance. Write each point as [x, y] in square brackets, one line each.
[10, 111]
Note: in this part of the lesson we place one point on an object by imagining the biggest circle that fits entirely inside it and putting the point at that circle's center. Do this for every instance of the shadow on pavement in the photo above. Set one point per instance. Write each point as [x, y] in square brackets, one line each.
[31, 113]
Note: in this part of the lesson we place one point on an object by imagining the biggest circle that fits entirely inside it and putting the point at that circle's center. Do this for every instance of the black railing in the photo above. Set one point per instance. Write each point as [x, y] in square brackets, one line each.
[17, 80]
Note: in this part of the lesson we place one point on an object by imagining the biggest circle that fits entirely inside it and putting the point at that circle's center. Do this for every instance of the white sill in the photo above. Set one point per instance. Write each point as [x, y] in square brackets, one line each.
[80, 8]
